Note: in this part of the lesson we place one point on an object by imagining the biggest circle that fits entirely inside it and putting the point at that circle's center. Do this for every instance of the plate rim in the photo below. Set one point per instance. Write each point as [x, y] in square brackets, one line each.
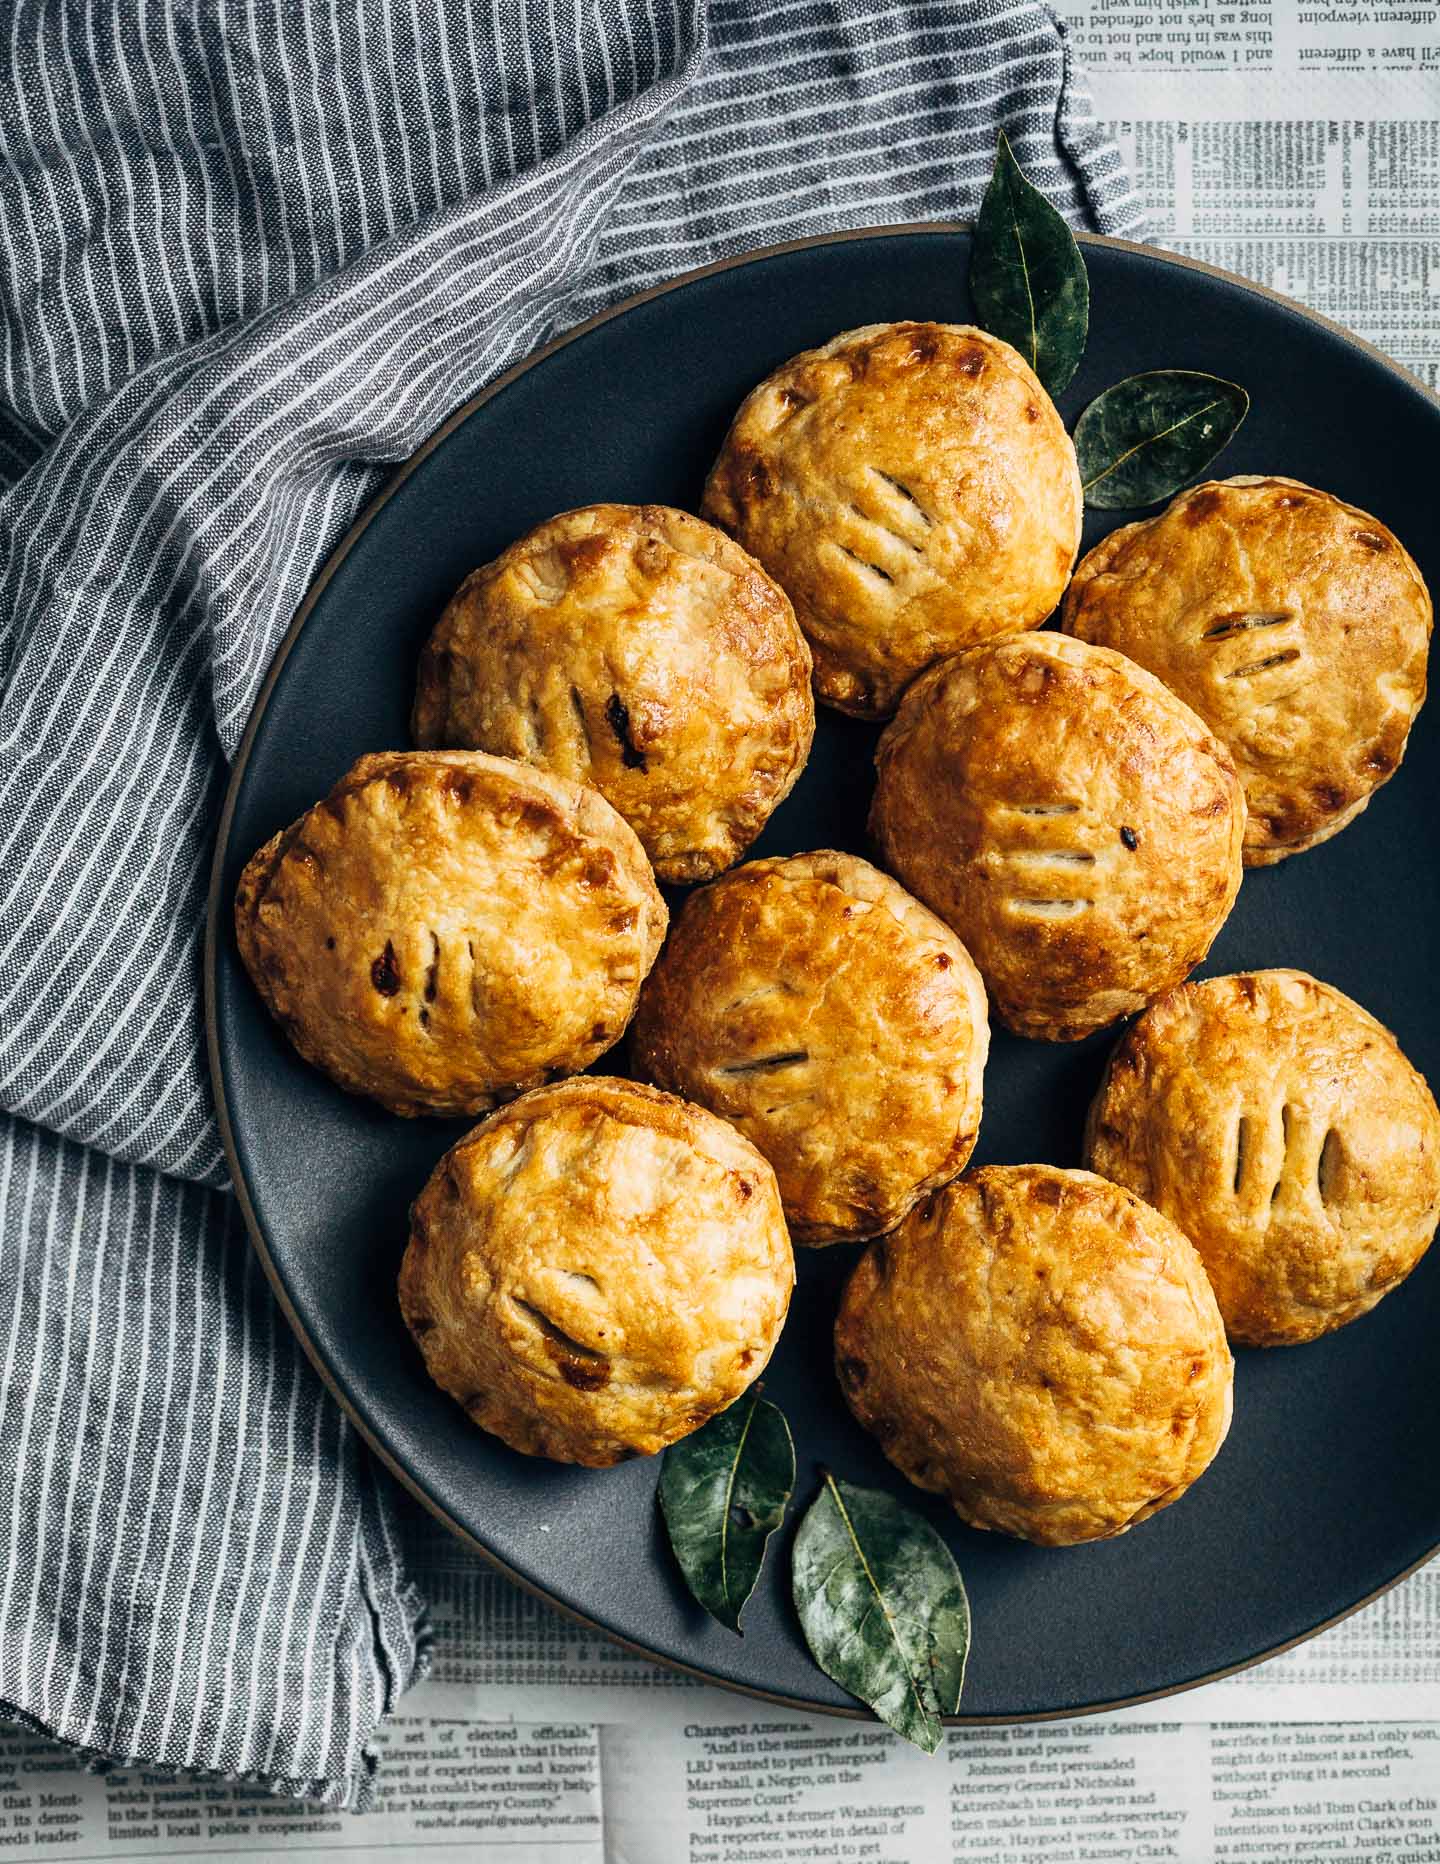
[216, 914]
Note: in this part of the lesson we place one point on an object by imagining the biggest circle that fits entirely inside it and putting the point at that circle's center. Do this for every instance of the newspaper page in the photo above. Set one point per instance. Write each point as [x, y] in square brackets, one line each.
[1034, 1793]
[775, 1791]
[449, 1786]
[1298, 143]
[1294, 142]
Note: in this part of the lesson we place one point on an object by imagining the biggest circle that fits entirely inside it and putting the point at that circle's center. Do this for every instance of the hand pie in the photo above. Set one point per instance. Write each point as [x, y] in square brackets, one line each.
[1042, 1349]
[812, 1003]
[596, 1269]
[446, 929]
[1076, 825]
[639, 650]
[912, 489]
[1281, 1127]
[1295, 625]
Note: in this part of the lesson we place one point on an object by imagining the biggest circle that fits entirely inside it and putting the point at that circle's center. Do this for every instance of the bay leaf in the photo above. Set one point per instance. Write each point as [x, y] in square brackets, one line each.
[1146, 437]
[883, 1607]
[723, 1492]
[1027, 275]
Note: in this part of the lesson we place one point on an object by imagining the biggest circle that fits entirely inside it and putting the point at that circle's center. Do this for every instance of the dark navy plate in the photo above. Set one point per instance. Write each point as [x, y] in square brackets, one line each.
[1329, 1486]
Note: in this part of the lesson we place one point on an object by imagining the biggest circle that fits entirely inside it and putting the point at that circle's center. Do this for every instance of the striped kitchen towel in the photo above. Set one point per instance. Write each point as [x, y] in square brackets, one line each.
[251, 254]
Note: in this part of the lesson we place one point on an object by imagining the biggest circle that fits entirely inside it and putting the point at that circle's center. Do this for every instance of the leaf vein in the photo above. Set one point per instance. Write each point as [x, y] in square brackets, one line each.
[879, 1596]
[1149, 440]
[1029, 291]
[725, 1513]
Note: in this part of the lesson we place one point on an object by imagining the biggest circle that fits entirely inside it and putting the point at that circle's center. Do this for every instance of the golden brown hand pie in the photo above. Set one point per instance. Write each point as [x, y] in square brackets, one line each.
[836, 1022]
[913, 490]
[1076, 825]
[1295, 625]
[639, 650]
[1281, 1127]
[446, 929]
[596, 1269]
[1042, 1349]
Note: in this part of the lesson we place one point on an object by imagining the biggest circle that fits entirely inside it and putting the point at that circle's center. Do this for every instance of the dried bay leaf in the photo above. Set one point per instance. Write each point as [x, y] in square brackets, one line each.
[1027, 275]
[1146, 437]
[883, 1607]
[723, 1492]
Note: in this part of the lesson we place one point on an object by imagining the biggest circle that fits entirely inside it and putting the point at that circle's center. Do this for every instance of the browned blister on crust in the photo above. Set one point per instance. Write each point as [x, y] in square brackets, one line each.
[1296, 625]
[912, 489]
[1281, 1127]
[447, 929]
[1075, 823]
[1041, 1348]
[640, 650]
[833, 1019]
[597, 1269]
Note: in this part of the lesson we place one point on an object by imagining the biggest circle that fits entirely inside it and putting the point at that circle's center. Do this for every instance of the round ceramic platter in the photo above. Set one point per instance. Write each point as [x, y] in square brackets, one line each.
[1328, 1488]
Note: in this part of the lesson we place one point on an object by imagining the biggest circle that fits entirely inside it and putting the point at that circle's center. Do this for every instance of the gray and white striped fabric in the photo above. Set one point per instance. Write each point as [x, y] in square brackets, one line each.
[251, 254]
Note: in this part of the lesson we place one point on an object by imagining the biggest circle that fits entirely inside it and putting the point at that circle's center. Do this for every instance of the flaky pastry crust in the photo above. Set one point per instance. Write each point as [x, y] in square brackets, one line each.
[596, 1269]
[1281, 1127]
[640, 650]
[912, 489]
[446, 929]
[1041, 1348]
[1076, 825]
[837, 1022]
[1296, 625]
